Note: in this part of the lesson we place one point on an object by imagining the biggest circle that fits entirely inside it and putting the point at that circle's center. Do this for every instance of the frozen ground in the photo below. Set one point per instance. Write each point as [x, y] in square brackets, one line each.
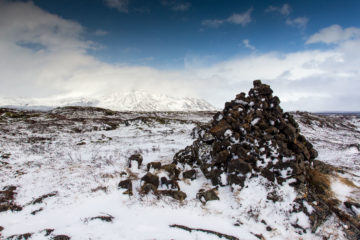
[336, 138]
[80, 155]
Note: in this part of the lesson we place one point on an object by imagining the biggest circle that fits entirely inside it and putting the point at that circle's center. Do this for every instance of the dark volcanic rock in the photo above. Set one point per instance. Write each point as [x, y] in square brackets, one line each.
[126, 184]
[154, 165]
[178, 195]
[151, 179]
[61, 237]
[172, 183]
[205, 196]
[190, 174]
[136, 157]
[252, 135]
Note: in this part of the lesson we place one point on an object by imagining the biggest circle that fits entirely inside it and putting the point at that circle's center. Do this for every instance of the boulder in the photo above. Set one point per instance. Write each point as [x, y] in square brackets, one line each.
[191, 174]
[153, 165]
[150, 178]
[209, 195]
[126, 184]
[178, 195]
[136, 157]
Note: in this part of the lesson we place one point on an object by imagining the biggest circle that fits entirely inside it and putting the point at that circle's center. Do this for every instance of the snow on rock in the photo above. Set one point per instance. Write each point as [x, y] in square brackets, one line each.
[269, 149]
[261, 144]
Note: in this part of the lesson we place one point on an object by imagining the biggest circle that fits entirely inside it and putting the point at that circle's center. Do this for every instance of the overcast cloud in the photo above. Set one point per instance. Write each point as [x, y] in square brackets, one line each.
[42, 54]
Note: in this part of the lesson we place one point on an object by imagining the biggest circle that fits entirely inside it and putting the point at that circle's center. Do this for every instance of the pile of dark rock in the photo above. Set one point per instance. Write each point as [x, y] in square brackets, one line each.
[252, 136]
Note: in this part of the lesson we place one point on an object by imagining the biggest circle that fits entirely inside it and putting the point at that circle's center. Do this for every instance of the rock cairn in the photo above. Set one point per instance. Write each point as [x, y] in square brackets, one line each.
[252, 136]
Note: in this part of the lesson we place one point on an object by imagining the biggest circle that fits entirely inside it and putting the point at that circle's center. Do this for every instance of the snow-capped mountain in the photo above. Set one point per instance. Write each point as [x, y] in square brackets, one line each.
[125, 101]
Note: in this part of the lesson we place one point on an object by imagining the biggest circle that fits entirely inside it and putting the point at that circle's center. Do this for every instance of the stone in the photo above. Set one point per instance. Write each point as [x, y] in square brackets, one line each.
[153, 165]
[215, 178]
[136, 157]
[184, 156]
[126, 184]
[257, 83]
[238, 166]
[205, 196]
[172, 183]
[268, 174]
[191, 174]
[148, 187]
[236, 179]
[178, 195]
[251, 136]
[219, 129]
[222, 156]
[172, 170]
[151, 179]
[61, 237]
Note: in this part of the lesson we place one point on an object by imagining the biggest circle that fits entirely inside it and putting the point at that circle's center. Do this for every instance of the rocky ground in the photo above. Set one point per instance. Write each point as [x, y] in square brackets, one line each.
[63, 174]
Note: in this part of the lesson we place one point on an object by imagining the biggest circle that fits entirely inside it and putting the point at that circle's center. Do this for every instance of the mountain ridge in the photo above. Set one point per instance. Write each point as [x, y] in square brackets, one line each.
[118, 101]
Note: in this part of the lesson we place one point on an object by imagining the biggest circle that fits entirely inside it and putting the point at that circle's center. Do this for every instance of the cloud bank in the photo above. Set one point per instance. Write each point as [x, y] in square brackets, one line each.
[42, 55]
[334, 34]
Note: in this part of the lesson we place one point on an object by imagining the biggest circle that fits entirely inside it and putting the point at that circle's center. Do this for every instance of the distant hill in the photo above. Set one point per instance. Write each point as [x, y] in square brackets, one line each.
[126, 101]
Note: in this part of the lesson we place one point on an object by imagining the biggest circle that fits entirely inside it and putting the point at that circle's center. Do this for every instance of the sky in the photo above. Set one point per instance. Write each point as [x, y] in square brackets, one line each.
[308, 51]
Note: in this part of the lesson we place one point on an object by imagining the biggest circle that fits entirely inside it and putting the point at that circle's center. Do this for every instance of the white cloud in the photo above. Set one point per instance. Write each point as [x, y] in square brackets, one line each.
[182, 7]
[334, 34]
[176, 5]
[61, 65]
[100, 32]
[305, 80]
[120, 5]
[242, 19]
[247, 44]
[308, 80]
[26, 23]
[283, 10]
[214, 23]
[300, 22]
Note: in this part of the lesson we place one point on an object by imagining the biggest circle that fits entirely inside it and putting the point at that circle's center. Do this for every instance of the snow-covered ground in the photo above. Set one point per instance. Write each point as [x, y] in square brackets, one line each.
[336, 138]
[81, 156]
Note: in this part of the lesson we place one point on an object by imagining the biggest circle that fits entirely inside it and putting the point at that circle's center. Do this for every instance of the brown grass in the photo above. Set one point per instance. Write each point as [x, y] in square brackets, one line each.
[100, 188]
[347, 182]
[320, 182]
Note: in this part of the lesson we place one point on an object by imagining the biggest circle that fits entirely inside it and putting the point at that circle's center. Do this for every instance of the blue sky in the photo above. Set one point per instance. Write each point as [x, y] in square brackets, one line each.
[154, 33]
[307, 50]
